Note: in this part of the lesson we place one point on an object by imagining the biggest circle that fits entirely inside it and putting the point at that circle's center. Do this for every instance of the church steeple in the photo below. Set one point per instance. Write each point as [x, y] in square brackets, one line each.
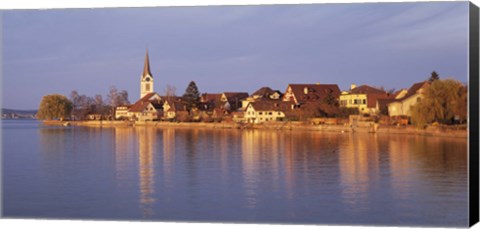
[146, 67]
[146, 81]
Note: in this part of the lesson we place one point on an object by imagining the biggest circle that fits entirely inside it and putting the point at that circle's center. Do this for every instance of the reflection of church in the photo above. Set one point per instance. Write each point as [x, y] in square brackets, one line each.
[150, 104]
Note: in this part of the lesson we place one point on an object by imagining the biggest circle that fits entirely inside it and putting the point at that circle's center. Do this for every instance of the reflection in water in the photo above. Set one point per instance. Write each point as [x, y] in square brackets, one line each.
[358, 166]
[302, 177]
[250, 166]
[168, 156]
[124, 155]
[146, 172]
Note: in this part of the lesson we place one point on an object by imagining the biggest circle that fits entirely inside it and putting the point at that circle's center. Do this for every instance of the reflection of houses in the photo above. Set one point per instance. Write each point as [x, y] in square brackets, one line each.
[232, 101]
[364, 98]
[307, 93]
[403, 101]
[265, 111]
[358, 164]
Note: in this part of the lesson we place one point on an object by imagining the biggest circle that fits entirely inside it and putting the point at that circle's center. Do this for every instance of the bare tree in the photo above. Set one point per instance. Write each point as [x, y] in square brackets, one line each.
[170, 91]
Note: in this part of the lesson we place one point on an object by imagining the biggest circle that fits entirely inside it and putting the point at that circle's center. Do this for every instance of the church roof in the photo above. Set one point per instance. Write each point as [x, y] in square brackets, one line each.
[146, 67]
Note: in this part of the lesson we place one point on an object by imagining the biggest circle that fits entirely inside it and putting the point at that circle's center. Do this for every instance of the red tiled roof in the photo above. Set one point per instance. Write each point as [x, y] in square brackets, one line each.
[414, 88]
[232, 96]
[271, 105]
[176, 105]
[315, 92]
[142, 103]
[210, 97]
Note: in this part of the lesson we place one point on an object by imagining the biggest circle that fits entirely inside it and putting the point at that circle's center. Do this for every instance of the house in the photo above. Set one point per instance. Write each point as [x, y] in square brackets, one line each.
[121, 112]
[306, 93]
[267, 111]
[210, 101]
[264, 93]
[173, 108]
[148, 108]
[364, 98]
[232, 101]
[403, 101]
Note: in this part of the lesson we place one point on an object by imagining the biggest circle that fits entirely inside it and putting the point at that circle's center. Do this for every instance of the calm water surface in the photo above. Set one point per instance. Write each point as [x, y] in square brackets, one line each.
[232, 176]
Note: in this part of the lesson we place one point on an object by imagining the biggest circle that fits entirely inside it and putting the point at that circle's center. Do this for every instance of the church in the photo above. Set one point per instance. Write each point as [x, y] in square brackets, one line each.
[150, 105]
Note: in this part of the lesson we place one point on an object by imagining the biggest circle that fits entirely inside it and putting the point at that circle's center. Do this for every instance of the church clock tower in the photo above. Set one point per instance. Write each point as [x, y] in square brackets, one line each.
[146, 83]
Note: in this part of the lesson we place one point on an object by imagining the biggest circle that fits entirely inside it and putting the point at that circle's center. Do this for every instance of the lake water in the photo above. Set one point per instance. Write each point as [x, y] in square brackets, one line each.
[259, 176]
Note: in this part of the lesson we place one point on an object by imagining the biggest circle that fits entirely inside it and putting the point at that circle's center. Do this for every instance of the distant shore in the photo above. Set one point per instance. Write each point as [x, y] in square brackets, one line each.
[439, 131]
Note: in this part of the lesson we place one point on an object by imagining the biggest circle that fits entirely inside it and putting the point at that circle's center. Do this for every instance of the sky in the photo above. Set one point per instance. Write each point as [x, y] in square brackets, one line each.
[229, 48]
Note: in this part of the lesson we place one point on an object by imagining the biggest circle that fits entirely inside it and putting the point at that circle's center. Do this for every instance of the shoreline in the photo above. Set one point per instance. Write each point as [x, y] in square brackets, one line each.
[435, 131]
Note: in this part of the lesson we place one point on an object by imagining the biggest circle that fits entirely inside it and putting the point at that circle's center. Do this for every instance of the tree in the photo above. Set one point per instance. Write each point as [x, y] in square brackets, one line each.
[442, 101]
[170, 91]
[116, 98]
[433, 77]
[99, 106]
[191, 97]
[54, 106]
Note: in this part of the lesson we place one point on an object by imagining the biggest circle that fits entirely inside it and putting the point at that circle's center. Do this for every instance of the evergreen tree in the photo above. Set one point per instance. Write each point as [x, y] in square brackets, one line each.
[191, 97]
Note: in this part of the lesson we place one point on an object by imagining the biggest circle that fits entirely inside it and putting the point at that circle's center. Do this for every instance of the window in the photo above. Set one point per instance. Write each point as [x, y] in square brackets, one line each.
[260, 113]
[364, 101]
[147, 87]
[269, 113]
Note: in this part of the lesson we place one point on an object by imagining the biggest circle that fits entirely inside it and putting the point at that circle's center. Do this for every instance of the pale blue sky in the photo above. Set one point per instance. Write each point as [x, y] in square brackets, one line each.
[227, 48]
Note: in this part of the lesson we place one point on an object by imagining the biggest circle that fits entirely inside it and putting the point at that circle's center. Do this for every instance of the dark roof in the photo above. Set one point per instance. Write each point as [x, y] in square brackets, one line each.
[414, 88]
[146, 66]
[315, 92]
[176, 105]
[233, 96]
[210, 97]
[142, 103]
[265, 92]
[384, 102]
[373, 98]
[411, 91]
[365, 89]
[271, 105]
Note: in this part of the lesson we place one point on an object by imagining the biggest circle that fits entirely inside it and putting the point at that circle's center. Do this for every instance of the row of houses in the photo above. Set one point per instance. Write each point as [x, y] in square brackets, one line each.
[267, 104]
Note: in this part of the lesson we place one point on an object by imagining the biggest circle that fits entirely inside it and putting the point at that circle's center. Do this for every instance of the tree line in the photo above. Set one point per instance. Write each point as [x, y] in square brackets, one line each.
[443, 102]
[79, 106]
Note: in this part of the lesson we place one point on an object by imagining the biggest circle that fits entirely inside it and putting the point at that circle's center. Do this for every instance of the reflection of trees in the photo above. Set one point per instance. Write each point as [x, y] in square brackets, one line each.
[53, 140]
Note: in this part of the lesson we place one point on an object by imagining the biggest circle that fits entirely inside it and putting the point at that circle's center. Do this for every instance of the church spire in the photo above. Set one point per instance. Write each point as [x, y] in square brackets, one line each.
[146, 67]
